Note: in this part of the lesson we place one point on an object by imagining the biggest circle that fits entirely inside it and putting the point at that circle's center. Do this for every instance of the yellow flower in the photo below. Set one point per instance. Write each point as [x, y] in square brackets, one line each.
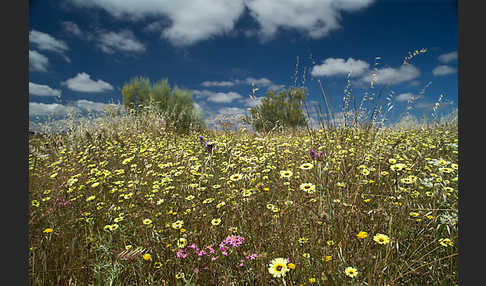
[278, 267]
[147, 257]
[365, 172]
[286, 174]
[312, 280]
[351, 271]
[381, 238]
[178, 224]
[182, 242]
[446, 242]
[180, 275]
[35, 203]
[216, 221]
[291, 266]
[157, 265]
[306, 166]
[147, 221]
[220, 204]
[236, 177]
[90, 198]
[47, 230]
[328, 258]
[114, 226]
[362, 234]
[308, 187]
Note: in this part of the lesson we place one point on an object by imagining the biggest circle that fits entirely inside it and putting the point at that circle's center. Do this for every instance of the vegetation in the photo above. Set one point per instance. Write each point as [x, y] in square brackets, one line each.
[175, 105]
[128, 200]
[282, 110]
[143, 208]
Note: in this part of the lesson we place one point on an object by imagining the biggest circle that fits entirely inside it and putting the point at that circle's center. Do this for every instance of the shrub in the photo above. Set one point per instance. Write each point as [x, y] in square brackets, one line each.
[175, 105]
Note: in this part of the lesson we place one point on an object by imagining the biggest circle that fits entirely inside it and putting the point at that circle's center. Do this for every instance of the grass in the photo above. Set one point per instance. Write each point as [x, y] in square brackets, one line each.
[127, 200]
[134, 206]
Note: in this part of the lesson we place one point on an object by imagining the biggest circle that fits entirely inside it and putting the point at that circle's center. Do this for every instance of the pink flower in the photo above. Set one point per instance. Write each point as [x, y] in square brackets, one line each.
[180, 254]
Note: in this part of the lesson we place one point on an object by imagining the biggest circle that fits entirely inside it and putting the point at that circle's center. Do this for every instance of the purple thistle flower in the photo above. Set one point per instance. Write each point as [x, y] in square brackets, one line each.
[209, 145]
[316, 155]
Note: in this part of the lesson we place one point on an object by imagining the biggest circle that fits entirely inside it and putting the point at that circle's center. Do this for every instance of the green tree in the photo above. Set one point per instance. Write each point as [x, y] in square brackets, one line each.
[174, 104]
[282, 110]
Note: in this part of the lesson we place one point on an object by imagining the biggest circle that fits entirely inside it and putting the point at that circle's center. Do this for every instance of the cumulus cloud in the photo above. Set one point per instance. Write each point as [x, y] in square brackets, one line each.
[337, 66]
[43, 90]
[449, 57]
[46, 42]
[72, 28]
[405, 97]
[316, 18]
[393, 75]
[263, 82]
[217, 97]
[123, 41]
[50, 109]
[57, 110]
[37, 61]
[443, 70]
[430, 105]
[211, 17]
[83, 83]
[217, 83]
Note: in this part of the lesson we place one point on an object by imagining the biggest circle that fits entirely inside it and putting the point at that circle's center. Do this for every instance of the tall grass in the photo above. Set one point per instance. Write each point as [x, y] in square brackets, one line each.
[126, 200]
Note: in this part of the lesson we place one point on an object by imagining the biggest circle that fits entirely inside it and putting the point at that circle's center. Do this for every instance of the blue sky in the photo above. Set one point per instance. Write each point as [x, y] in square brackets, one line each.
[81, 52]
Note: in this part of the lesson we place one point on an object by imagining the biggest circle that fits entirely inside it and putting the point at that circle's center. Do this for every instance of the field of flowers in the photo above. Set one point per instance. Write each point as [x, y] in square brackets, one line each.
[324, 207]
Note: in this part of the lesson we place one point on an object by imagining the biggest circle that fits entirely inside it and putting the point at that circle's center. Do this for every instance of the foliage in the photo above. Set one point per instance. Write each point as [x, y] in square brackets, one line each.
[175, 105]
[137, 207]
[282, 110]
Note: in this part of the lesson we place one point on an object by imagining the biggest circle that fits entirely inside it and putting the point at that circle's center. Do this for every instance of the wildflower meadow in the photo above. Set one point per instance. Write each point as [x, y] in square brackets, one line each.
[124, 205]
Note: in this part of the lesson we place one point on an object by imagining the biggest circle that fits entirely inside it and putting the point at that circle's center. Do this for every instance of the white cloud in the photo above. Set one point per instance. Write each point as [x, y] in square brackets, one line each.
[262, 82]
[445, 58]
[123, 41]
[43, 90]
[405, 96]
[83, 83]
[217, 97]
[276, 87]
[430, 105]
[190, 21]
[392, 75]
[46, 42]
[316, 18]
[72, 28]
[50, 109]
[337, 66]
[37, 61]
[443, 70]
[217, 83]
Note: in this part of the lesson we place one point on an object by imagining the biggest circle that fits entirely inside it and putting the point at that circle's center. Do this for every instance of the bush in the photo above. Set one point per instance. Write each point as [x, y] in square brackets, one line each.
[282, 110]
[175, 105]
